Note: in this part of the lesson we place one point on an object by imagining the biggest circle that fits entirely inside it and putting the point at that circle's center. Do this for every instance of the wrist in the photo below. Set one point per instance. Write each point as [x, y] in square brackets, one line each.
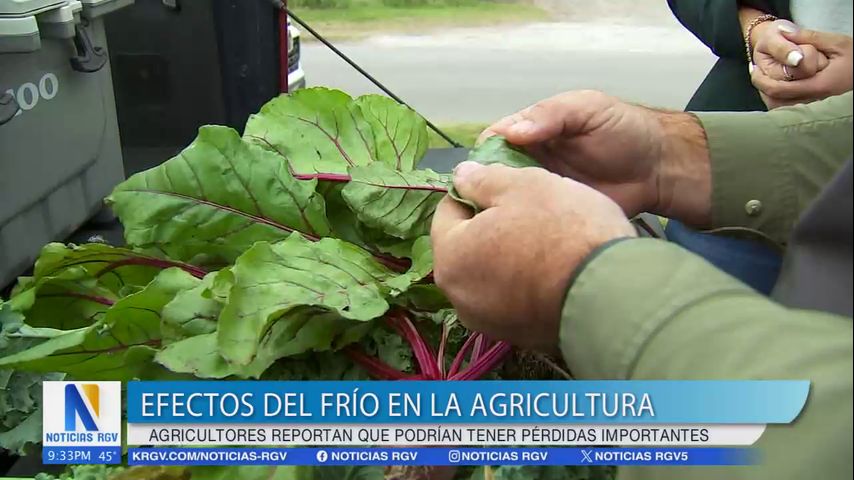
[754, 23]
[683, 173]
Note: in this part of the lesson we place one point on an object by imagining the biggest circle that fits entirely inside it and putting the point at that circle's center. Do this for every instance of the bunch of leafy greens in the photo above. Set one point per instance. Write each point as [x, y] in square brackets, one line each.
[297, 251]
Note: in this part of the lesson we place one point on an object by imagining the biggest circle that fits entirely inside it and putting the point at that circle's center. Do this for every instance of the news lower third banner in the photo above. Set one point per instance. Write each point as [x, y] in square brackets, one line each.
[362, 422]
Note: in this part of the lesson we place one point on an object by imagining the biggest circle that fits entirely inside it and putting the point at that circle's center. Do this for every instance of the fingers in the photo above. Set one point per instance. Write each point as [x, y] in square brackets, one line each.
[780, 89]
[449, 214]
[829, 43]
[497, 128]
[810, 88]
[810, 65]
[534, 124]
[781, 48]
[483, 184]
[565, 114]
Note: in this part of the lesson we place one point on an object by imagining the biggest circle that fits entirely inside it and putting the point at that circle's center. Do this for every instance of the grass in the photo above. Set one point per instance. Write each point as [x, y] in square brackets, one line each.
[366, 17]
[465, 133]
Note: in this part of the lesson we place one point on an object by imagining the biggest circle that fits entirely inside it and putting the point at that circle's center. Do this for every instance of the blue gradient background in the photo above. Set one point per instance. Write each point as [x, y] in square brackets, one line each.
[674, 402]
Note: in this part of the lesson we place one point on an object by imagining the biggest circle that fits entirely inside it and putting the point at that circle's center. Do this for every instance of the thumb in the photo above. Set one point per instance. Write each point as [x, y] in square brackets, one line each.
[781, 48]
[482, 184]
[824, 41]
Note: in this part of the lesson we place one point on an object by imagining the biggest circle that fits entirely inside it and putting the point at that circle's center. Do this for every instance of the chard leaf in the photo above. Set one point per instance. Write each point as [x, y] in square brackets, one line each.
[192, 312]
[295, 333]
[118, 347]
[400, 204]
[83, 353]
[495, 150]
[400, 134]
[197, 356]
[114, 267]
[272, 280]
[67, 301]
[215, 199]
[421, 253]
[322, 130]
[242, 472]
[20, 391]
[72, 286]
[25, 431]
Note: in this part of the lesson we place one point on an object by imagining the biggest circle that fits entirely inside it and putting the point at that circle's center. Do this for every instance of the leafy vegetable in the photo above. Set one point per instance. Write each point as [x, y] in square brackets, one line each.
[299, 251]
[216, 199]
[95, 472]
[495, 150]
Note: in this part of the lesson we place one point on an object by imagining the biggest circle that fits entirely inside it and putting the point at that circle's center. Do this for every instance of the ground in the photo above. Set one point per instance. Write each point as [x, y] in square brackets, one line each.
[464, 133]
[363, 20]
[480, 74]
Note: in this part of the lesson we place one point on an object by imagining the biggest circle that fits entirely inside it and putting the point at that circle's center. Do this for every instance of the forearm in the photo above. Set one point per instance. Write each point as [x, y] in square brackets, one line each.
[746, 16]
[645, 309]
[755, 170]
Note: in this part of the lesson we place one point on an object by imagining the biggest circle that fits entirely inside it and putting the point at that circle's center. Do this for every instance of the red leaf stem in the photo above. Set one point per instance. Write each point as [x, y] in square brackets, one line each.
[461, 355]
[152, 262]
[423, 353]
[92, 298]
[440, 357]
[485, 364]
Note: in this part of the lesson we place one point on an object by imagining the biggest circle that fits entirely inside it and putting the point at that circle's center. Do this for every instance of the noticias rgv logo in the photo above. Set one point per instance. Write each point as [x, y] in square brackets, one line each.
[82, 412]
[76, 407]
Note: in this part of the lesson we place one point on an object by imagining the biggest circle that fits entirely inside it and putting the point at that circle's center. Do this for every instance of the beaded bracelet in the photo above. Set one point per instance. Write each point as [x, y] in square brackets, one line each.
[748, 36]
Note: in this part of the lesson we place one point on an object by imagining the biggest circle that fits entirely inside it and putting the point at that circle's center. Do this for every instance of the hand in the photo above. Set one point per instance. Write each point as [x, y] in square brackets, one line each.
[781, 59]
[506, 269]
[835, 79]
[645, 160]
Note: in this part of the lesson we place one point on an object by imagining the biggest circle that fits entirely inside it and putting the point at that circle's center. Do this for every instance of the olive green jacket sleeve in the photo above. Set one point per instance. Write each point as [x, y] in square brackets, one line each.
[646, 309]
[767, 167]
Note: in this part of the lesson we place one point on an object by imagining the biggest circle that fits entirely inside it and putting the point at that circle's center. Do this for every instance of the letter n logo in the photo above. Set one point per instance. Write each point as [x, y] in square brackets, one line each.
[76, 407]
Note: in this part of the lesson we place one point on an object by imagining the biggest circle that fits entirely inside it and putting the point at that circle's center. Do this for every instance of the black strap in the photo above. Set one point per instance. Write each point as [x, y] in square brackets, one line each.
[281, 5]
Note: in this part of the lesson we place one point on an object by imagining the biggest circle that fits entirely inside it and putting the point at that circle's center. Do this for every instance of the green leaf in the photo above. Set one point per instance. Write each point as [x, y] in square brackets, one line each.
[295, 333]
[246, 473]
[114, 267]
[421, 253]
[20, 392]
[215, 199]
[27, 431]
[72, 286]
[192, 312]
[400, 134]
[495, 150]
[323, 130]
[197, 356]
[271, 280]
[315, 366]
[118, 347]
[400, 204]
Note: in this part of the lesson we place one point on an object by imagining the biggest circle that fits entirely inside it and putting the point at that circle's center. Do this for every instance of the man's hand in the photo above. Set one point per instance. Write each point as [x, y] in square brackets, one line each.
[506, 269]
[645, 160]
[834, 79]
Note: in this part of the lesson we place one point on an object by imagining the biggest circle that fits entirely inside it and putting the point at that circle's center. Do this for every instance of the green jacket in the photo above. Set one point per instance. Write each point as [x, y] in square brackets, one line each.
[727, 87]
[646, 309]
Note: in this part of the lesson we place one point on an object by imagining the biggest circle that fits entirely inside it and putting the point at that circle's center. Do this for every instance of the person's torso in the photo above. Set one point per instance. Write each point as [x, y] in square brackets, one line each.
[817, 271]
[823, 15]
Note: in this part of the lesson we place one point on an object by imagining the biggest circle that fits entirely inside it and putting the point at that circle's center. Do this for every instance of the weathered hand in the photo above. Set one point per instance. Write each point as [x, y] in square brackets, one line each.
[625, 151]
[506, 269]
[776, 55]
[835, 79]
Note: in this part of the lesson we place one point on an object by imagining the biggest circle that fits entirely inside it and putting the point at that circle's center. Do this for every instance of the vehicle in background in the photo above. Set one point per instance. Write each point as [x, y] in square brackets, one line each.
[296, 74]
